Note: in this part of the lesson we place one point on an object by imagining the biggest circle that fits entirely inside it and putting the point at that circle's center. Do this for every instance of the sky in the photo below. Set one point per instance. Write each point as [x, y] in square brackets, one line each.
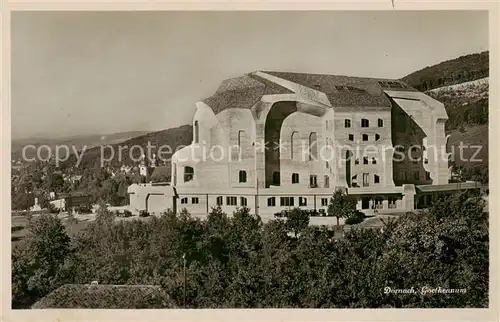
[78, 73]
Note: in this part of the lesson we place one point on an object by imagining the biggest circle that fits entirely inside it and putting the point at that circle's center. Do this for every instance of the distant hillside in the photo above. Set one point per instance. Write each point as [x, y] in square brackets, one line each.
[78, 142]
[465, 103]
[450, 72]
[173, 138]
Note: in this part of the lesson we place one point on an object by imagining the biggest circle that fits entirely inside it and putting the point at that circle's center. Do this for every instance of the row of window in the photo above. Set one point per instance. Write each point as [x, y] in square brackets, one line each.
[364, 137]
[232, 201]
[313, 180]
[365, 161]
[271, 201]
[194, 200]
[415, 175]
[290, 201]
[365, 183]
[364, 123]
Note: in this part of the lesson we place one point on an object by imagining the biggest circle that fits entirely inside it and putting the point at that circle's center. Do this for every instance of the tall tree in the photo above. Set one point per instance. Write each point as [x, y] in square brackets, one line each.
[341, 205]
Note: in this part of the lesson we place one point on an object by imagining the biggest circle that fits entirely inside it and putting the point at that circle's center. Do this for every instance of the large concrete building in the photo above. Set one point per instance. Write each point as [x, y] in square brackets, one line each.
[274, 140]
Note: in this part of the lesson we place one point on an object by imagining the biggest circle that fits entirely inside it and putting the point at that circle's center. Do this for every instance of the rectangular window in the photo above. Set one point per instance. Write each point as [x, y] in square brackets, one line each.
[365, 137]
[188, 174]
[243, 176]
[365, 180]
[376, 179]
[365, 160]
[351, 137]
[276, 178]
[219, 201]
[416, 175]
[231, 201]
[377, 137]
[302, 201]
[184, 201]
[195, 200]
[243, 201]
[427, 175]
[271, 202]
[324, 202]
[380, 123]
[286, 201]
[327, 182]
[402, 176]
[313, 181]
[295, 178]
[365, 123]
[347, 123]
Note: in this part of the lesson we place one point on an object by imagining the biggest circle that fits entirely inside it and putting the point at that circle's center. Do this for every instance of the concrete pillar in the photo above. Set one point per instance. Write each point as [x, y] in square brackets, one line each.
[408, 197]
[387, 177]
[260, 170]
[359, 204]
[385, 203]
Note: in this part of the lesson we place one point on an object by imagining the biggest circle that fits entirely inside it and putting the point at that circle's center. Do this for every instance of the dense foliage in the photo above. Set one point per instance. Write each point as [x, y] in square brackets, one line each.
[240, 262]
[462, 69]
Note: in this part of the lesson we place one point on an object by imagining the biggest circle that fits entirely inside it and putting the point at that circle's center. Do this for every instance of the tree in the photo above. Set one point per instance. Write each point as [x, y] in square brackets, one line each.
[37, 264]
[341, 206]
[22, 200]
[297, 220]
[56, 182]
[160, 175]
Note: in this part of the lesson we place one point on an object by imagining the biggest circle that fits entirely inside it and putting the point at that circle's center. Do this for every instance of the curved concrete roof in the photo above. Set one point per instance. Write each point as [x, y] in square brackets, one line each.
[341, 91]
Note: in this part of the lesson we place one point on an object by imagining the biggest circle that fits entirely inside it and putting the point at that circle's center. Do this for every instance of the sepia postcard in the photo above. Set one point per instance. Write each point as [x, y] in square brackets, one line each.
[256, 163]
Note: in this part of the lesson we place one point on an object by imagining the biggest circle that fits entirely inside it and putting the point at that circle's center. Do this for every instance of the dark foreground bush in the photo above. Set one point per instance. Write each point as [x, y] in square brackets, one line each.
[356, 218]
[240, 262]
[143, 213]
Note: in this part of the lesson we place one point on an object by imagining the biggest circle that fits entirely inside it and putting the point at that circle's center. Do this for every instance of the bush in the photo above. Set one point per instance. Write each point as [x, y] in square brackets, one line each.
[143, 213]
[356, 218]
[83, 210]
[127, 213]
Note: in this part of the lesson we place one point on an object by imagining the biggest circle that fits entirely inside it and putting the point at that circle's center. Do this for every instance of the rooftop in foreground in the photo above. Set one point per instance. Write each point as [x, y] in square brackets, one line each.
[87, 296]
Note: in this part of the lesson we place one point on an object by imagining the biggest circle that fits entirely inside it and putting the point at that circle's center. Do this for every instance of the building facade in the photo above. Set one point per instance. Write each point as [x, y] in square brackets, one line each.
[273, 140]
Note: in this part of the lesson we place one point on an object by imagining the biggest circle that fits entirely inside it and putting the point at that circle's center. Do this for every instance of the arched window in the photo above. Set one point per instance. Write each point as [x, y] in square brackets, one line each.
[219, 201]
[196, 132]
[294, 144]
[313, 146]
[365, 123]
[380, 123]
[243, 176]
[347, 123]
[374, 161]
[295, 178]
[188, 174]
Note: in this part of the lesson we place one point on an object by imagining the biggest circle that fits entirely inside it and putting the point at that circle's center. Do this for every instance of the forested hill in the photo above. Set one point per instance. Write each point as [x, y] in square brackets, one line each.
[455, 71]
[173, 138]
